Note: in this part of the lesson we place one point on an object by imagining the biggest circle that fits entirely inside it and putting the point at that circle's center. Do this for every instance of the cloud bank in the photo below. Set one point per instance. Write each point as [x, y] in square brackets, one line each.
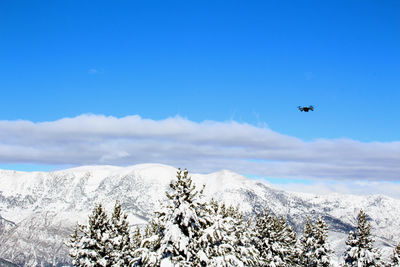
[391, 189]
[201, 147]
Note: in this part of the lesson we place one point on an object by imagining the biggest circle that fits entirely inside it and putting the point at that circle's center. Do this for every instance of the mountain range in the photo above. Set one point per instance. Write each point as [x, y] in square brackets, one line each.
[38, 210]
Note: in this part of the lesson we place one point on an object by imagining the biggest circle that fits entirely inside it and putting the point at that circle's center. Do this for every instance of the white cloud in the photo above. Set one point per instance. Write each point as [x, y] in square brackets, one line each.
[391, 189]
[201, 147]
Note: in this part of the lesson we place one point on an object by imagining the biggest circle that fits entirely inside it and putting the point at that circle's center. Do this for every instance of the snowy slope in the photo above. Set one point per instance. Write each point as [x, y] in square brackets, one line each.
[38, 210]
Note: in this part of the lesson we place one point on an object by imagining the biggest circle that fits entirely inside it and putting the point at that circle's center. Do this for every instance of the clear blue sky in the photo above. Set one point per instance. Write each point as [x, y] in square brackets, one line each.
[251, 61]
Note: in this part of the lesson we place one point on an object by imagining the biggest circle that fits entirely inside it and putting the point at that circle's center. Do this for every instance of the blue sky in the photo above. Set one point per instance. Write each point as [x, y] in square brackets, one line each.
[251, 62]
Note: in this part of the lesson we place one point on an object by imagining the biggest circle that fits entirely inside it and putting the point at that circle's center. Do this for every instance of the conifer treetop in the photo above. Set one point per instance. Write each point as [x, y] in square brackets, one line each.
[360, 250]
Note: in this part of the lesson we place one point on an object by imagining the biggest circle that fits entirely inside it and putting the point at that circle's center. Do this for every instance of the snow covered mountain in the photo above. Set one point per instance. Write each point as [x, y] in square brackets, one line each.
[38, 210]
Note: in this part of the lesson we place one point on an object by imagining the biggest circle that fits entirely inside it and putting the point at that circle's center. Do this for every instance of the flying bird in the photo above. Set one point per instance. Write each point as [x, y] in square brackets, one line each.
[305, 109]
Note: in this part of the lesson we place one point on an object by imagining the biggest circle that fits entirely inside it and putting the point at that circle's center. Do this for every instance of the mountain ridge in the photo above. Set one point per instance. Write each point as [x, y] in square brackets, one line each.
[52, 202]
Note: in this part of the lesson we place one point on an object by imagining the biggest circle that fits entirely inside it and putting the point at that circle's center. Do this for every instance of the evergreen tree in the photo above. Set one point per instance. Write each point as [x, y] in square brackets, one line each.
[307, 245]
[315, 249]
[396, 257]
[244, 249]
[323, 251]
[177, 226]
[73, 244]
[104, 242]
[136, 238]
[359, 251]
[227, 239]
[146, 253]
[266, 240]
[122, 247]
[213, 235]
[288, 242]
[188, 231]
[91, 245]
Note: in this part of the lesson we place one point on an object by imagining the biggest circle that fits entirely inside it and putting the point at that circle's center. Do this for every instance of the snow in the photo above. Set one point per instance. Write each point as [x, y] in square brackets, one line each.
[70, 195]
[166, 263]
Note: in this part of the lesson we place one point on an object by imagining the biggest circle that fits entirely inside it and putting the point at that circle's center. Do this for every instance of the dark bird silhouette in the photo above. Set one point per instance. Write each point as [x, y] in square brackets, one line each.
[305, 109]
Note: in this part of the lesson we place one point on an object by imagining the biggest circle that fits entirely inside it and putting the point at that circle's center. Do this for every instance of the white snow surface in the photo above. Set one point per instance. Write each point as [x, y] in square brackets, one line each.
[44, 206]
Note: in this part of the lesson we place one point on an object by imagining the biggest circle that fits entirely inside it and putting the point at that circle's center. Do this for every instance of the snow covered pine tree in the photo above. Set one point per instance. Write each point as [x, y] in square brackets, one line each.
[275, 240]
[314, 246]
[288, 241]
[226, 241]
[359, 251]
[73, 244]
[178, 224]
[122, 247]
[104, 242]
[306, 244]
[90, 245]
[147, 245]
[323, 250]
[136, 238]
[188, 231]
[315, 249]
[244, 250]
